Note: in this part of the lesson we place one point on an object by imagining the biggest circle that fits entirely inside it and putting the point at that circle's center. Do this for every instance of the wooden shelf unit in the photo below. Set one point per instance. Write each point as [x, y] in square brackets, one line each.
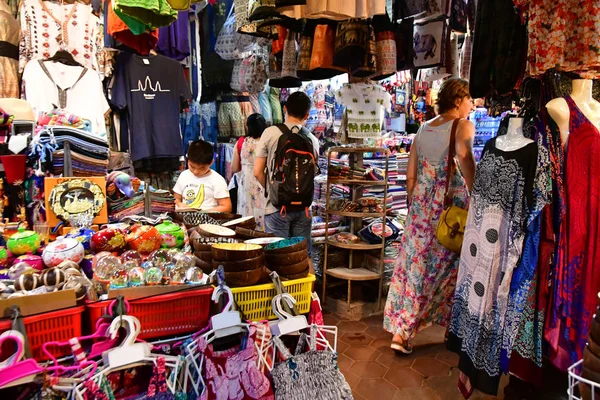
[352, 272]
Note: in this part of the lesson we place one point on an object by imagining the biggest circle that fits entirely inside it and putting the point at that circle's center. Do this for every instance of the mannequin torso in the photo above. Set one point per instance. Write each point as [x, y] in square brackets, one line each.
[582, 96]
[514, 139]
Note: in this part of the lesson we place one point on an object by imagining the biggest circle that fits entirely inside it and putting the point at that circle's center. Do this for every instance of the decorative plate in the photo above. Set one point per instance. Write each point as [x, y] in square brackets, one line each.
[76, 196]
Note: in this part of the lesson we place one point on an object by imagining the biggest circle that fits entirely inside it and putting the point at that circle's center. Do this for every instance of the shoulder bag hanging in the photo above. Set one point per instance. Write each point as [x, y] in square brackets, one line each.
[451, 227]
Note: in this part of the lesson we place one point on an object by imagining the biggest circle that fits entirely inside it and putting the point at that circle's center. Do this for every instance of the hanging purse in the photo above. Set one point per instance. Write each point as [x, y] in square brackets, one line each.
[230, 44]
[451, 227]
[250, 74]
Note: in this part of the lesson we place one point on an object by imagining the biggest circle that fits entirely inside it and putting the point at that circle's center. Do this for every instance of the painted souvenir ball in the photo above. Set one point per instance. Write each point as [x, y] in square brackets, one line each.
[172, 234]
[83, 236]
[194, 275]
[185, 260]
[106, 267]
[159, 258]
[147, 264]
[136, 276]
[119, 278]
[98, 257]
[177, 275]
[110, 239]
[61, 250]
[86, 265]
[34, 261]
[144, 239]
[19, 269]
[53, 277]
[154, 276]
[132, 255]
[3, 257]
[27, 282]
[24, 242]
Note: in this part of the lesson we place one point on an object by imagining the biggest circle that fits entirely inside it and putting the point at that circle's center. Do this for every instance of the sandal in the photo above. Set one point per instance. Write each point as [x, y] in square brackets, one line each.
[402, 347]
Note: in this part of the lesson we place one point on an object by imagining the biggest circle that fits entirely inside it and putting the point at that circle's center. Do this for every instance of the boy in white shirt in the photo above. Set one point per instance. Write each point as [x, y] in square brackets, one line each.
[198, 186]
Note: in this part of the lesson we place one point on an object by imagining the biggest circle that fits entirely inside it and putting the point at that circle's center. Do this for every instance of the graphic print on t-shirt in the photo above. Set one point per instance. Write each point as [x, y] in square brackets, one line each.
[193, 195]
[147, 86]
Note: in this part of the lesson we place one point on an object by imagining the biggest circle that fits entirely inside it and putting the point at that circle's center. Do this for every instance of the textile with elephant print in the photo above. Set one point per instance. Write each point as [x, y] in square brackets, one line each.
[364, 104]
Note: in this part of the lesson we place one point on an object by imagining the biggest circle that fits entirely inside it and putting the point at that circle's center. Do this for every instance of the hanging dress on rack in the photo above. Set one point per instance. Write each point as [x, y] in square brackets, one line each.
[501, 197]
[577, 272]
[9, 53]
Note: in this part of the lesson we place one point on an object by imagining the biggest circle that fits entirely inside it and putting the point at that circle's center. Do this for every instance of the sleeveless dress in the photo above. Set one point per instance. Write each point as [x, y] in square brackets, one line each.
[577, 273]
[424, 279]
[251, 195]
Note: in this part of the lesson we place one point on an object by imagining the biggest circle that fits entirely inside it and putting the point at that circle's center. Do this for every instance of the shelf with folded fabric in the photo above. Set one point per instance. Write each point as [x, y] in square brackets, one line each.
[358, 214]
[336, 181]
[355, 246]
[353, 274]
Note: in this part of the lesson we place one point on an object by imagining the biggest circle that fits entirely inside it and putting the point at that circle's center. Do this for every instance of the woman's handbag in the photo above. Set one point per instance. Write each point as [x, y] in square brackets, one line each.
[451, 227]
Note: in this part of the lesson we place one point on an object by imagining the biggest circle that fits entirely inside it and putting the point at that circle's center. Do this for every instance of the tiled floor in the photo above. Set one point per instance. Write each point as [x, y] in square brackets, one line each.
[375, 372]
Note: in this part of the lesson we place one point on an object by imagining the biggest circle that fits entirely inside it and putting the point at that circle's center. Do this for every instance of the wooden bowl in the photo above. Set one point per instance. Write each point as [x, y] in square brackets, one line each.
[287, 246]
[206, 267]
[205, 256]
[201, 247]
[215, 231]
[243, 265]
[263, 241]
[243, 278]
[595, 332]
[244, 222]
[236, 251]
[223, 216]
[590, 361]
[279, 260]
[286, 270]
[300, 275]
[200, 243]
[245, 234]
[593, 347]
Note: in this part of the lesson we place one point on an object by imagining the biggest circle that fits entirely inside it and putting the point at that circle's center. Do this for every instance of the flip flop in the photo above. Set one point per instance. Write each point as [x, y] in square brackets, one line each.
[399, 347]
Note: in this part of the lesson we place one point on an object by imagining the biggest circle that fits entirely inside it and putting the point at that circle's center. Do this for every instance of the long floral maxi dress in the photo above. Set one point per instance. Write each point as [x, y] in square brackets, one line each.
[251, 195]
[422, 286]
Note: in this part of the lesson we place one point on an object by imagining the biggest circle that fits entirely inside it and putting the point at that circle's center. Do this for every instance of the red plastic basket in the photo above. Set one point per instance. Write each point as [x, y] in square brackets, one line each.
[163, 315]
[59, 325]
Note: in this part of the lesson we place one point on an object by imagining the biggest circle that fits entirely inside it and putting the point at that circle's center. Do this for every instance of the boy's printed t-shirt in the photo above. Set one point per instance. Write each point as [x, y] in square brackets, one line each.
[203, 192]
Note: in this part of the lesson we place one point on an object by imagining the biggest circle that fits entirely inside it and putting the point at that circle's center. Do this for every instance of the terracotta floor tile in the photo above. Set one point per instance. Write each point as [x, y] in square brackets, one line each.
[404, 377]
[341, 346]
[362, 353]
[351, 326]
[376, 320]
[445, 386]
[344, 363]
[376, 389]
[428, 350]
[378, 333]
[428, 367]
[357, 396]
[356, 338]
[391, 359]
[448, 358]
[368, 369]
[433, 334]
[352, 379]
[381, 344]
[331, 320]
[420, 393]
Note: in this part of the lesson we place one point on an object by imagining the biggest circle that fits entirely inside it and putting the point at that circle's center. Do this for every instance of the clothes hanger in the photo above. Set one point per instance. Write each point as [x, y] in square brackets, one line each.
[101, 331]
[63, 56]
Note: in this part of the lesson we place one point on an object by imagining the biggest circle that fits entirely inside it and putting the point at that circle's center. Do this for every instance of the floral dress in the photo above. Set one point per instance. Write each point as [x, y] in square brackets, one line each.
[251, 195]
[423, 283]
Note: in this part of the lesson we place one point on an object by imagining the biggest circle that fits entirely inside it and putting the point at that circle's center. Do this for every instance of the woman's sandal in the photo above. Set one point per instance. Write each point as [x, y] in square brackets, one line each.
[401, 347]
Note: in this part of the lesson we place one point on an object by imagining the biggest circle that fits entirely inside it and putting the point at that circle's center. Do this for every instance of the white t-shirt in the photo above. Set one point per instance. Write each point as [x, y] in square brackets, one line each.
[85, 98]
[365, 105]
[203, 192]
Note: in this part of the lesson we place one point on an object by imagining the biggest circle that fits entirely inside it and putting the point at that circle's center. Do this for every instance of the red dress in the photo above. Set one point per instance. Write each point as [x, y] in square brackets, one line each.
[577, 273]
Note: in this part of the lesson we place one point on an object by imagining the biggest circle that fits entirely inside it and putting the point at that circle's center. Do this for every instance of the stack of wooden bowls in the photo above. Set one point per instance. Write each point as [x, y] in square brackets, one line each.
[244, 222]
[202, 249]
[591, 358]
[246, 234]
[243, 263]
[289, 258]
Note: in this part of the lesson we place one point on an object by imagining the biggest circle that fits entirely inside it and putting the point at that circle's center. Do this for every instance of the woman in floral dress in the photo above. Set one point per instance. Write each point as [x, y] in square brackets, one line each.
[423, 283]
[251, 195]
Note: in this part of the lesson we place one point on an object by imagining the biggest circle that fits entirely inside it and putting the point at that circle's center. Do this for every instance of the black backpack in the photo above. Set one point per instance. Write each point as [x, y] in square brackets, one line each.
[293, 171]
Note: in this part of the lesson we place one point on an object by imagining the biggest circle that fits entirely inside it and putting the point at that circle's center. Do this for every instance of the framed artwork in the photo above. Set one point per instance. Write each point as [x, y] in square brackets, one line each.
[429, 42]
[400, 97]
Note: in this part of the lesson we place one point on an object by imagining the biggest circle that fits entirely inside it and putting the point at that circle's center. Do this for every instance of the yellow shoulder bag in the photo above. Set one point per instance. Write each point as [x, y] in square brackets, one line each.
[451, 227]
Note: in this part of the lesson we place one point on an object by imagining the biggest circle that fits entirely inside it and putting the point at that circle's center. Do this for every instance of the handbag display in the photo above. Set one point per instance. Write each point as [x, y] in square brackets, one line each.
[230, 44]
[250, 74]
[450, 231]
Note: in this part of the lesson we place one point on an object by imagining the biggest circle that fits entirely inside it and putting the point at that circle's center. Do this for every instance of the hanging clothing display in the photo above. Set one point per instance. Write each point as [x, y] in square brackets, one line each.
[9, 53]
[424, 278]
[173, 40]
[336, 9]
[576, 275]
[44, 25]
[365, 105]
[151, 90]
[119, 30]
[502, 195]
[75, 89]
[499, 48]
[553, 43]
[143, 15]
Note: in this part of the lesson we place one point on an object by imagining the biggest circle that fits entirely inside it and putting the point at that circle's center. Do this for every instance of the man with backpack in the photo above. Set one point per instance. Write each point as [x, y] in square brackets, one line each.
[286, 165]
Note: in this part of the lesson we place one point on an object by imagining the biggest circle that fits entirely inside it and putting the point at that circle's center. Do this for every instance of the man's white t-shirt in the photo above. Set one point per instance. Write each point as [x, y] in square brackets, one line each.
[203, 192]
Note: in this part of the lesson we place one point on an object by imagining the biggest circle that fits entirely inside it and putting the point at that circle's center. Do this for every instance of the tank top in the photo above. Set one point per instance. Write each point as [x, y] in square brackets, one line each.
[433, 142]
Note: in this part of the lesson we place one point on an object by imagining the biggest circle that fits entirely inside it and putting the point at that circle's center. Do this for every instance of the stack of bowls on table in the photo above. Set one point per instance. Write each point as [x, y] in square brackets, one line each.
[244, 222]
[288, 257]
[243, 263]
[591, 358]
[246, 234]
[202, 248]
